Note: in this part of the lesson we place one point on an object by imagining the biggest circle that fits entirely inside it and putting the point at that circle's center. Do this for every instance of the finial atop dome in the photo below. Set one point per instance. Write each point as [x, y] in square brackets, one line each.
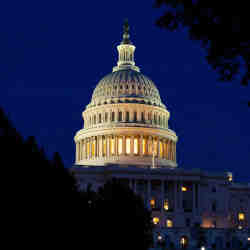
[126, 35]
[126, 51]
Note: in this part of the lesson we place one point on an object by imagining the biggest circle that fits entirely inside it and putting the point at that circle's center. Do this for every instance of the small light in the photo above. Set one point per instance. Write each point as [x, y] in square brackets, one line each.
[159, 237]
[248, 238]
[183, 189]
[239, 227]
[203, 248]
[156, 220]
[241, 216]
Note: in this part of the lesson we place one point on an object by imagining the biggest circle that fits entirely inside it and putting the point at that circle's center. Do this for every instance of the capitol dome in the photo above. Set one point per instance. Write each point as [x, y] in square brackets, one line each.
[126, 122]
[126, 85]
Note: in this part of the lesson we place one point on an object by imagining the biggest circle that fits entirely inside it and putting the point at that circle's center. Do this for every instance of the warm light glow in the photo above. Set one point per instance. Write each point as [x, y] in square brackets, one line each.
[183, 189]
[166, 205]
[135, 146]
[248, 238]
[144, 142]
[119, 145]
[203, 248]
[230, 176]
[104, 147]
[112, 146]
[183, 241]
[155, 147]
[159, 237]
[128, 143]
[239, 227]
[93, 148]
[169, 223]
[156, 220]
[241, 216]
[100, 146]
[161, 149]
[152, 203]
[150, 147]
[88, 149]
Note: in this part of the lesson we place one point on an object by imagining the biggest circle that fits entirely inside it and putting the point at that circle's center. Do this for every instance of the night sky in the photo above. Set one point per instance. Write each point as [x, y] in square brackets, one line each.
[53, 53]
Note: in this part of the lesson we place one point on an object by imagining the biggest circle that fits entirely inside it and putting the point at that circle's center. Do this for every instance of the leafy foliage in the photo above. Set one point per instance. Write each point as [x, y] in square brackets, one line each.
[220, 26]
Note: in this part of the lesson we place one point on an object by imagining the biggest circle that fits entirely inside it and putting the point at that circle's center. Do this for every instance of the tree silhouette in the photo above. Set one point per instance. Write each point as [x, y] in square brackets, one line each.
[220, 26]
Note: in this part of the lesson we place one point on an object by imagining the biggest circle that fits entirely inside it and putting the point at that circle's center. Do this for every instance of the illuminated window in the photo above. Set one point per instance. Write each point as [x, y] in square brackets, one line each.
[88, 149]
[119, 145]
[161, 149]
[241, 216]
[183, 189]
[152, 203]
[136, 146]
[156, 220]
[150, 147]
[183, 242]
[93, 148]
[144, 143]
[230, 176]
[166, 205]
[165, 149]
[155, 147]
[112, 146]
[169, 223]
[128, 142]
[104, 147]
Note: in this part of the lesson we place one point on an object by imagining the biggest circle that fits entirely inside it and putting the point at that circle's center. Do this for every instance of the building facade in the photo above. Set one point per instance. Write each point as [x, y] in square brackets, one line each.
[126, 136]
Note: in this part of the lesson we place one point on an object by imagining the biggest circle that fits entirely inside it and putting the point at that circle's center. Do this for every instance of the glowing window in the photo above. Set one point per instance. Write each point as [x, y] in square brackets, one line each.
[166, 205]
[169, 223]
[88, 149]
[183, 189]
[104, 147]
[155, 147]
[150, 147]
[161, 149]
[156, 220]
[128, 142]
[152, 203]
[144, 142]
[241, 216]
[112, 146]
[93, 148]
[135, 146]
[99, 146]
[119, 145]
[183, 241]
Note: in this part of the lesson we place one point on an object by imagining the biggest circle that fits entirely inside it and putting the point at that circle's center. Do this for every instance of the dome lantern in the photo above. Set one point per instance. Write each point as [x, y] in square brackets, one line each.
[126, 51]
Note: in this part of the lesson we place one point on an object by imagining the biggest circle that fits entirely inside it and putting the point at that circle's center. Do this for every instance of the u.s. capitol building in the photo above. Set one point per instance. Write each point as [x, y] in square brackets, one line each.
[126, 136]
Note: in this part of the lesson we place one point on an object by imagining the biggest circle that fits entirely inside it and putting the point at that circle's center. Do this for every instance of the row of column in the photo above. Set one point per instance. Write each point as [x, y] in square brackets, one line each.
[110, 145]
[125, 116]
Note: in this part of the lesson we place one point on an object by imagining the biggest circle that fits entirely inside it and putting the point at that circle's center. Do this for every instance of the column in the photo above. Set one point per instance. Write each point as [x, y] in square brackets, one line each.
[123, 145]
[158, 147]
[96, 146]
[90, 147]
[100, 147]
[77, 150]
[175, 151]
[170, 150]
[141, 145]
[132, 145]
[116, 145]
[108, 145]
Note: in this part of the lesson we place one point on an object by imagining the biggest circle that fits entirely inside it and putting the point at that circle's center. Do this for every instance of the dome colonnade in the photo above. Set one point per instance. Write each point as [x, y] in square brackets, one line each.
[126, 122]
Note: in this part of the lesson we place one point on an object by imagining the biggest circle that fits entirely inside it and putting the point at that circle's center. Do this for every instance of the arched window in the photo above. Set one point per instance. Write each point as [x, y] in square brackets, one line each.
[93, 147]
[144, 144]
[183, 242]
[169, 223]
[112, 145]
[161, 149]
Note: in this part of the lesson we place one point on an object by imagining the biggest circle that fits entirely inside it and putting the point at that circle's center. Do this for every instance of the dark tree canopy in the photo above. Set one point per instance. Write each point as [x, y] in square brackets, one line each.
[222, 27]
[47, 209]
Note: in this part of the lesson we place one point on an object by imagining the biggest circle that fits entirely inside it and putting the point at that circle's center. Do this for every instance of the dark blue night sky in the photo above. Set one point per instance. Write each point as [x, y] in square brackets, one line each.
[53, 53]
